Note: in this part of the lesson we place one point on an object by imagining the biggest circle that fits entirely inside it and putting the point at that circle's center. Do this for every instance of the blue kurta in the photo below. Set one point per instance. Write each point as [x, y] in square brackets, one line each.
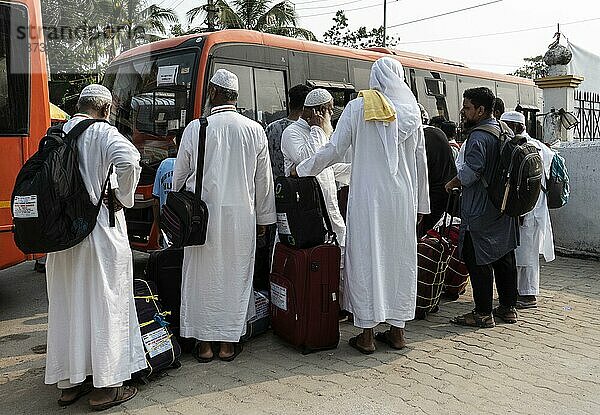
[493, 234]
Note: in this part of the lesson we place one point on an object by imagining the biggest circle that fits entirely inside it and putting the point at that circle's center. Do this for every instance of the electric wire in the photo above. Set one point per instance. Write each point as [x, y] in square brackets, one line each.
[445, 14]
[497, 33]
[330, 6]
[347, 10]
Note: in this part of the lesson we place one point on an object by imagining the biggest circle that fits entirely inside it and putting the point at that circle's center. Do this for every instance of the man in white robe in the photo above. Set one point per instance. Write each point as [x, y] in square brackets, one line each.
[303, 138]
[238, 190]
[93, 328]
[388, 192]
[536, 229]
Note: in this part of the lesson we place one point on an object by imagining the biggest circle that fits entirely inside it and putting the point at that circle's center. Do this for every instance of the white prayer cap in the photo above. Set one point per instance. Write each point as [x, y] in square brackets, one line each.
[513, 116]
[317, 97]
[225, 79]
[96, 91]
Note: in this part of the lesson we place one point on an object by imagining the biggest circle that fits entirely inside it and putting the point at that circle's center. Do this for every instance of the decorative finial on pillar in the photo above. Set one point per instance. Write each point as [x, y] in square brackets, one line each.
[557, 57]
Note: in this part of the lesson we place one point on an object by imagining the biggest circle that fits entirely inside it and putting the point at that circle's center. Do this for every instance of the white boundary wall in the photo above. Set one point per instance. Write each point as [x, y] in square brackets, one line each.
[577, 225]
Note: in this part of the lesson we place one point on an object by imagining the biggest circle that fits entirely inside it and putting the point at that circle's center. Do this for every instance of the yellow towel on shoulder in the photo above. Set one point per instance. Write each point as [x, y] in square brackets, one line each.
[377, 107]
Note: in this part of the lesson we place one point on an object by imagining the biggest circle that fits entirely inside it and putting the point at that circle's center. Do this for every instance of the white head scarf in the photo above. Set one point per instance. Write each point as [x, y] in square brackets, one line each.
[387, 76]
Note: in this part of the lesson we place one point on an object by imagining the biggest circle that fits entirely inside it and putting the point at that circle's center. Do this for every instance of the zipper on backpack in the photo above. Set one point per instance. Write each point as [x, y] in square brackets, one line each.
[527, 157]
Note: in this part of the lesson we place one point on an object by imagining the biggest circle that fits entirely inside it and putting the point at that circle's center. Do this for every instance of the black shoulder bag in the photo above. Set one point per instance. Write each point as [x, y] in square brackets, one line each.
[184, 217]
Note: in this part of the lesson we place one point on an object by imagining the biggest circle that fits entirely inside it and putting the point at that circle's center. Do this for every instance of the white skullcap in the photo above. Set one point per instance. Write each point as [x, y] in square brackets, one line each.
[225, 79]
[317, 97]
[513, 116]
[97, 91]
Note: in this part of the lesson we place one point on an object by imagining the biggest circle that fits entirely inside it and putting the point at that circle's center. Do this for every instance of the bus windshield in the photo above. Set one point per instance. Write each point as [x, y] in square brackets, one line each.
[152, 101]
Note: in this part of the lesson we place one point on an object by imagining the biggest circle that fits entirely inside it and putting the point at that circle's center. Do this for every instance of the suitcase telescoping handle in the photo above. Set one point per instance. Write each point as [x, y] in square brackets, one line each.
[330, 233]
[452, 199]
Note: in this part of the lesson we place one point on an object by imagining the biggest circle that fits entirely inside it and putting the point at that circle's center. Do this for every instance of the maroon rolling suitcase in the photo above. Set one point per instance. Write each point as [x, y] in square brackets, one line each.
[304, 293]
[304, 296]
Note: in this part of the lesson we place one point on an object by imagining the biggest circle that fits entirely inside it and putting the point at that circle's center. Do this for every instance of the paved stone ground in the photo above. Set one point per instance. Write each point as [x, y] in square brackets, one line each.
[547, 363]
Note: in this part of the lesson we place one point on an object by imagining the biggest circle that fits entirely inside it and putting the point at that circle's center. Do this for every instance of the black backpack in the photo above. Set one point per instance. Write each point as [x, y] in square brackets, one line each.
[516, 180]
[302, 217]
[51, 207]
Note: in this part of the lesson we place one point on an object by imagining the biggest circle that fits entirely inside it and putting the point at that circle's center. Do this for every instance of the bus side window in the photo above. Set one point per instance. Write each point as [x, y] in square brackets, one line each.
[271, 102]
[246, 97]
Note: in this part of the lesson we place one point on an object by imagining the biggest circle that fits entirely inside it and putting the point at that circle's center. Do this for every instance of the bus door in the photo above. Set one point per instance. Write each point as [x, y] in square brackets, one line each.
[23, 84]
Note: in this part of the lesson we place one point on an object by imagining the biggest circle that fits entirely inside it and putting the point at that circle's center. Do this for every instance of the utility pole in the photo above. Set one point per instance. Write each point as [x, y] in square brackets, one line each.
[211, 15]
[384, 21]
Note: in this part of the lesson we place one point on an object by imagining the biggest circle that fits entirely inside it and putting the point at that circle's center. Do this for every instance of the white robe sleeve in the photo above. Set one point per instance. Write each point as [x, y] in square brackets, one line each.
[264, 192]
[422, 179]
[125, 158]
[298, 147]
[342, 172]
[332, 152]
[183, 163]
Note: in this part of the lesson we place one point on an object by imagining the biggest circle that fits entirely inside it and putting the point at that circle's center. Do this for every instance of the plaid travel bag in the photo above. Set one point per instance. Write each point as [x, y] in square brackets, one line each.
[433, 255]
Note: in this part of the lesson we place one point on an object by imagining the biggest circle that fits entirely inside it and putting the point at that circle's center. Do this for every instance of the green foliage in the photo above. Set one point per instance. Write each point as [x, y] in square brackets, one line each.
[534, 68]
[341, 35]
[259, 15]
[83, 36]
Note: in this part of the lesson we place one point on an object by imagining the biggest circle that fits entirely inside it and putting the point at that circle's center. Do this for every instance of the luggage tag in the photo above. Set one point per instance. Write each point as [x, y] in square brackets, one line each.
[114, 183]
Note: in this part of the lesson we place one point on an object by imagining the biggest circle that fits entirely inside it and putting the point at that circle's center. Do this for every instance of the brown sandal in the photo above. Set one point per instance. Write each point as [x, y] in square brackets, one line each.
[82, 390]
[353, 342]
[474, 319]
[386, 337]
[123, 394]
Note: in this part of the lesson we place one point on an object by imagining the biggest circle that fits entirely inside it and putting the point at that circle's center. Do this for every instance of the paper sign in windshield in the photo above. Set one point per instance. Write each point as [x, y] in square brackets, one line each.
[167, 75]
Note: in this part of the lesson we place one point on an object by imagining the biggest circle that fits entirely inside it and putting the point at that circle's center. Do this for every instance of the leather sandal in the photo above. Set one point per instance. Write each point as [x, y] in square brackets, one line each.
[200, 359]
[123, 394]
[506, 314]
[353, 342]
[386, 337]
[474, 319]
[237, 349]
[81, 390]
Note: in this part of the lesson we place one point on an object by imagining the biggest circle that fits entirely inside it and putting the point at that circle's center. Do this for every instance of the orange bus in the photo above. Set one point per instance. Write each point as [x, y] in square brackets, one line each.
[159, 88]
[24, 105]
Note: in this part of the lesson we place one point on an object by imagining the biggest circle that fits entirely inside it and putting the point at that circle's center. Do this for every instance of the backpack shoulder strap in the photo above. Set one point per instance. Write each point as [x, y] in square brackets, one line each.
[488, 128]
[81, 126]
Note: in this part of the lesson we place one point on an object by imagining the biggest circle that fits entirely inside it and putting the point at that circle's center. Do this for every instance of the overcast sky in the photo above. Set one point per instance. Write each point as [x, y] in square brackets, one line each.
[478, 48]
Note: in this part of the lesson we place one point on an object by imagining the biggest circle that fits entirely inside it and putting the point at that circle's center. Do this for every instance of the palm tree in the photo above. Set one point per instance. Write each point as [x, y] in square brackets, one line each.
[279, 19]
[129, 23]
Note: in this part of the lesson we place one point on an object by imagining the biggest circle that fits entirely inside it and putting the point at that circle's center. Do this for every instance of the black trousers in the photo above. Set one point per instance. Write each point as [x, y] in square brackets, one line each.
[504, 271]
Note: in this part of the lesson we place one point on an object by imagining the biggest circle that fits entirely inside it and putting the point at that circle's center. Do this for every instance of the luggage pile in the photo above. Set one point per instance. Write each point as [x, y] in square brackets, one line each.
[306, 268]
